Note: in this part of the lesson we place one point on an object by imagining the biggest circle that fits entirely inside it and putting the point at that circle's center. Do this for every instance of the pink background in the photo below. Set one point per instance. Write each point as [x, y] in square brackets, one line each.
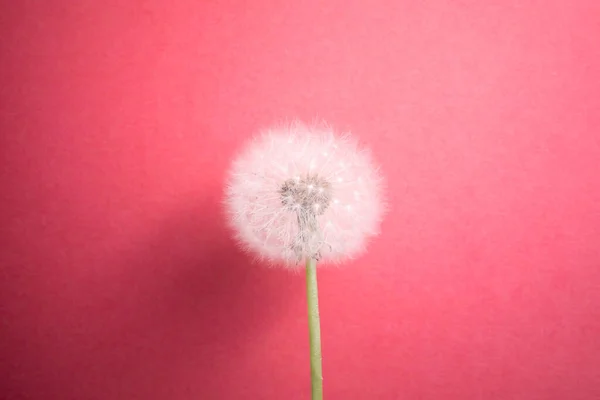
[119, 279]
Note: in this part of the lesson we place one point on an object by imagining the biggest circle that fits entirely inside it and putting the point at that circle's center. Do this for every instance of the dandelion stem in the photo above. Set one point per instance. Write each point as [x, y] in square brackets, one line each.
[314, 328]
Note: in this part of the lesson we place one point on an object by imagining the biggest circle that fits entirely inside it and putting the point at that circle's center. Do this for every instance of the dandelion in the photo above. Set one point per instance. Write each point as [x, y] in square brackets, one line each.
[300, 193]
[296, 193]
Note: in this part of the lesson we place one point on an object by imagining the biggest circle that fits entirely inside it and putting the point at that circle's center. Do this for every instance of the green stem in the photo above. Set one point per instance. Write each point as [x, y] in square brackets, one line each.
[314, 329]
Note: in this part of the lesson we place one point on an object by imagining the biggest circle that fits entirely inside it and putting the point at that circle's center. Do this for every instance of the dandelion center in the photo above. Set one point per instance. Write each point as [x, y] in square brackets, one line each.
[310, 195]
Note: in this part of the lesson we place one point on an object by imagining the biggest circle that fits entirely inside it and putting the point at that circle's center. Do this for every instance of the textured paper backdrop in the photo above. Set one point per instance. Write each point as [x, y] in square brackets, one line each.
[118, 277]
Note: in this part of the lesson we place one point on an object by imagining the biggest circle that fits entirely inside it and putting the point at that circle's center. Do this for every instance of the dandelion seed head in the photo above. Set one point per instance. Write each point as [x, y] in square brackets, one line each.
[299, 191]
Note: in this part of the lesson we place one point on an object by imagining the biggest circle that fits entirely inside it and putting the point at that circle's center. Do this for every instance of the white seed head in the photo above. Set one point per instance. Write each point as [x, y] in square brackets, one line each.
[294, 193]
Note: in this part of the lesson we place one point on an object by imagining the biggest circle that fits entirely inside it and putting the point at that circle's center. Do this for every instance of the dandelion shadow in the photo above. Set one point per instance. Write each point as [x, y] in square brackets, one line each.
[196, 307]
